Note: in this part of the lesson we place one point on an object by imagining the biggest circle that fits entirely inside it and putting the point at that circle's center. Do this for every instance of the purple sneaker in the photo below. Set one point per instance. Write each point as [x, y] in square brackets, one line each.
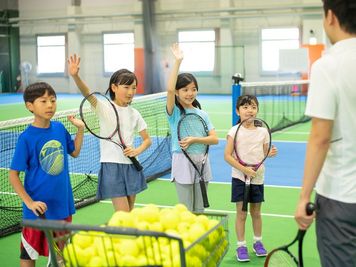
[259, 249]
[242, 254]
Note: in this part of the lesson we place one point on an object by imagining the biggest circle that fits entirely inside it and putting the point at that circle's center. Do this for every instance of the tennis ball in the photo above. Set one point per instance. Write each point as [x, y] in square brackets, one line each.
[196, 230]
[156, 226]
[82, 239]
[187, 216]
[169, 220]
[128, 260]
[183, 227]
[129, 247]
[212, 223]
[180, 207]
[97, 261]
[149, 213]
[51, 157]
[112, 258]
[69, 255]
[204, 220]
[122, 218]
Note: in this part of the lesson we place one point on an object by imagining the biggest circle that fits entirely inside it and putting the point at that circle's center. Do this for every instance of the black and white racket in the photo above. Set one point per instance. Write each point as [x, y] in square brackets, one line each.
[111, 131]
[192, 125]
[282, 256]
[250, 151]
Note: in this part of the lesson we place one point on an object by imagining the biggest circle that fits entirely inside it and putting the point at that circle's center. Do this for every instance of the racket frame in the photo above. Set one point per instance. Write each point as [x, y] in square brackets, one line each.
[254, 166]
[200, 172]
[122, 145]
[310, 207]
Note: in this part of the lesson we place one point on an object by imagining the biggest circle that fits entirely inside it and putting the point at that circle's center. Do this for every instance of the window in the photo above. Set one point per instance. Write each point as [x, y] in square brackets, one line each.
[199, 50]
[118, 51]
[51, 54]
[272, 41]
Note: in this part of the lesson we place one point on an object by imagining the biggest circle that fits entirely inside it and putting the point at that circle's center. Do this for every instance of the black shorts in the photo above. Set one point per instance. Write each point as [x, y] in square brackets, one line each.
[238, 188]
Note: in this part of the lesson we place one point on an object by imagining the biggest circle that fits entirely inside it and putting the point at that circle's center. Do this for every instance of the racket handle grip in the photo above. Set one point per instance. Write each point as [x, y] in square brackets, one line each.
[245, 199]
[204, 194]
[136, 163]
[244, 206]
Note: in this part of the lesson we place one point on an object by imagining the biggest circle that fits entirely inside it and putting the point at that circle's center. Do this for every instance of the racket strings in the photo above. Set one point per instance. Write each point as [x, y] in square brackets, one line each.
[101, 120]
[248, 151]
[193, 127]
[281, 258]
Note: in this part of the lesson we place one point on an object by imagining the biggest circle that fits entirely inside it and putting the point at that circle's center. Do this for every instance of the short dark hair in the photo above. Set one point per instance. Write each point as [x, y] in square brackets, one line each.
[183, 80]
[345, 11]
[121, 77]
[36, 90]
[246, 99]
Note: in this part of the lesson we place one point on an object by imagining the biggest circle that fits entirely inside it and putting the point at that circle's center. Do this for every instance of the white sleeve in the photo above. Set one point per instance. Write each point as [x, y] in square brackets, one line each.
[141, 124]
[322, 99]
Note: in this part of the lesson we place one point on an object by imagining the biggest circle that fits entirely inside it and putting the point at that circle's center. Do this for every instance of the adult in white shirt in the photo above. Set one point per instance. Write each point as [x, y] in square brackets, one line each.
[330, 163]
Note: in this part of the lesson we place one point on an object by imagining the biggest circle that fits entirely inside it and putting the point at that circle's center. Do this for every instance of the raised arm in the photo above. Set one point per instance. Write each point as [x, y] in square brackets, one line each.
[171, 87]
[73, 69]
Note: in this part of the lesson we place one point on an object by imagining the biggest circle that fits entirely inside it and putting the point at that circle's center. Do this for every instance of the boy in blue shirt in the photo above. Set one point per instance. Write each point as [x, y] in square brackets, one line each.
[41, 152]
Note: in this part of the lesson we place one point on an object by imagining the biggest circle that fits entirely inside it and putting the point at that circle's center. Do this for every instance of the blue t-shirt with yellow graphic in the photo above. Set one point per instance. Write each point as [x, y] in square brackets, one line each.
[42, 154]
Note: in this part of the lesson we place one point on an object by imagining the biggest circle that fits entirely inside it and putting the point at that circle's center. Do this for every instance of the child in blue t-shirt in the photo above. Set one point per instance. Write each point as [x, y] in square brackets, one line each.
[41, 152]
[182, 90]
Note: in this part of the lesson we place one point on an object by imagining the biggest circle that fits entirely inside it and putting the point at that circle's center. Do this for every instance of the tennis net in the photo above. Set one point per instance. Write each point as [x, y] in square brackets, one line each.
[156, 160]
[281, 104]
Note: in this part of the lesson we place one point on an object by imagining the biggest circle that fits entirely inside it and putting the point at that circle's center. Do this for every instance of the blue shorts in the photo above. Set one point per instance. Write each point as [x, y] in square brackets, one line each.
[119, 180]
[238, 188]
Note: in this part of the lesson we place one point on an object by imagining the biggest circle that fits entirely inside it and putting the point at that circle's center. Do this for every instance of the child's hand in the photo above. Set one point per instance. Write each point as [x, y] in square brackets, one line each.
[273, 151]
[186, 142]
[76, 122]
[38, 207]
[178, 54]
[131, 152]
[73, 65]
[249, 171]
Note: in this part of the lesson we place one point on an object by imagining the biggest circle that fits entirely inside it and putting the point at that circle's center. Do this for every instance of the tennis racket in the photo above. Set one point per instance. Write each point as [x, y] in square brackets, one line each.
[252, 144]
[109, 115]
[193, 125]
[282, 256]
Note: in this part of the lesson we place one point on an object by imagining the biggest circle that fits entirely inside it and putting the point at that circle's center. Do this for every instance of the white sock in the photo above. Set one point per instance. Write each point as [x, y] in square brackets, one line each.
[257, 238]
[241, 243]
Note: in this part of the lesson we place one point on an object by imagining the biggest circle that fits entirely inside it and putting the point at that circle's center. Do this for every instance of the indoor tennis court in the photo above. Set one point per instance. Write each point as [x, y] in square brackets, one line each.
[271, 45]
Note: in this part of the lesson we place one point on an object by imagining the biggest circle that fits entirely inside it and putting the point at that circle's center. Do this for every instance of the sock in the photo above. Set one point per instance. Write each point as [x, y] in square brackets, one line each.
[257, 238]
[241, 243]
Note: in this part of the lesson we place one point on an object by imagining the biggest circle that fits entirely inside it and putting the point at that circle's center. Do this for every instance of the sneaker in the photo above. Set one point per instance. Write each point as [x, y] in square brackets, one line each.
[259, 249]
[242, 254]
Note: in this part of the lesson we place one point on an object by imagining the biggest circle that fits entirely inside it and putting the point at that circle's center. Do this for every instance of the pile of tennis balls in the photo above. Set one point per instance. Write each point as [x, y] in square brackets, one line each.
[101, 249]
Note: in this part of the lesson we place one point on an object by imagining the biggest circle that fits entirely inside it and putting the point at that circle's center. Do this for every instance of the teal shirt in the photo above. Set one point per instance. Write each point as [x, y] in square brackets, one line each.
[174, 118]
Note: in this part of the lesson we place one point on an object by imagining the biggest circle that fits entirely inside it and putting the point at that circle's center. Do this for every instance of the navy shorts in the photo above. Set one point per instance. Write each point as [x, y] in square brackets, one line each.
[238, 188]
[119, 180]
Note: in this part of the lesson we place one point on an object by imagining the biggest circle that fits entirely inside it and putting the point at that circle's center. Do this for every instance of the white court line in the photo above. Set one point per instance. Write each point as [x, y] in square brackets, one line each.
[275, 141]
[211, 210]
[229, 183]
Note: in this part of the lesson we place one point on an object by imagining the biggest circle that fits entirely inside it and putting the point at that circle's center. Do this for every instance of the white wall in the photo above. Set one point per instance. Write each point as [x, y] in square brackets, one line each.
[239, 21]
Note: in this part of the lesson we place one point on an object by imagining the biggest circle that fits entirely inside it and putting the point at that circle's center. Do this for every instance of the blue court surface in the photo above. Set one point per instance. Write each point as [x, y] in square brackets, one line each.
[286, 169]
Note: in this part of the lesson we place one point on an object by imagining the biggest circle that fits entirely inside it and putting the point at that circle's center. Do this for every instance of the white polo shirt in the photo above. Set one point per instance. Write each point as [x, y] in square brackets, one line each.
[332, 96]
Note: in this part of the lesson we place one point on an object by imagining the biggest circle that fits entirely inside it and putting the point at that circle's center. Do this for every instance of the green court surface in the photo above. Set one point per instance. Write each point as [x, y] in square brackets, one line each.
[279, 226]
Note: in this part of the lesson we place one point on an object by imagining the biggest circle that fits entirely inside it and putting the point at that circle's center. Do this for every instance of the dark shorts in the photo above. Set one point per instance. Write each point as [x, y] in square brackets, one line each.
[238, 188]
[119, 180]
[336, 232]
[34, 242]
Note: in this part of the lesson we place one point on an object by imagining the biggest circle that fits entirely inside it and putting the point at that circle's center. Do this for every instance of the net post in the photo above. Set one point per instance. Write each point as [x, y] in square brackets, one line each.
[236, 92]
